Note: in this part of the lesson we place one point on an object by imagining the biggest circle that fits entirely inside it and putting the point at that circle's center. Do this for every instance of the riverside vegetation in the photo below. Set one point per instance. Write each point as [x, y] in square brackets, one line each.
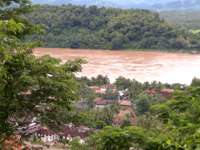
[107, 28]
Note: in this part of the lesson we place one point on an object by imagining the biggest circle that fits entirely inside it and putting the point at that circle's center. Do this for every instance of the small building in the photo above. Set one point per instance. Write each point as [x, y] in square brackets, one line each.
[98, 90]
[167, 92]
[102, 103]
[102, 89]
[71, 131]
[47, 136]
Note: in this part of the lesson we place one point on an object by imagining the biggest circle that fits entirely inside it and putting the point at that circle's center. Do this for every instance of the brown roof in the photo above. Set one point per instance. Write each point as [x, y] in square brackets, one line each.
[125, 103]
[121, 116]
[167, 90]
[100, 101]
[45, 131]
[97, 89]
[100, 89]
[12, 142]
[73, 131]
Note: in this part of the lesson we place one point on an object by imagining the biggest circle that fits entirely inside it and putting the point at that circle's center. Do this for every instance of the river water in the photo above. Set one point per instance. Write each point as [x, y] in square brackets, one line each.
[142, 66]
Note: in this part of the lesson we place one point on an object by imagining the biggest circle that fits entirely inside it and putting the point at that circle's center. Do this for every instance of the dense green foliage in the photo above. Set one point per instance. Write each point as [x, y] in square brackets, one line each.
[173, 125]
[95, 81]
[85, 113]
[102, 28]
[189, 20]
[91, 117]
[29, 86]
[184, 18]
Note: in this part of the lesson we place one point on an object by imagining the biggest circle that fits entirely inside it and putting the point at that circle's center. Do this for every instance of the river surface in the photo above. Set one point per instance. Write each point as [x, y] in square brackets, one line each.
[142, 66]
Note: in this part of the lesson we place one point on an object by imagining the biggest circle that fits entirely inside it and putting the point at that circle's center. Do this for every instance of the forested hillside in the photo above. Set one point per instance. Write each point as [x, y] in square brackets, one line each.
[187, 19]
[106, 28]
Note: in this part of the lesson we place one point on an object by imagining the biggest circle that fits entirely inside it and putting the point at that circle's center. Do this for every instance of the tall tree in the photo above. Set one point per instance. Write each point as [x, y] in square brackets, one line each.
[29, 86]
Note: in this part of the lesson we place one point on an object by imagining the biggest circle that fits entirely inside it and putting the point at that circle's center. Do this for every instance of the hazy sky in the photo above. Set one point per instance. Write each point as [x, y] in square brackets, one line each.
[117, 1]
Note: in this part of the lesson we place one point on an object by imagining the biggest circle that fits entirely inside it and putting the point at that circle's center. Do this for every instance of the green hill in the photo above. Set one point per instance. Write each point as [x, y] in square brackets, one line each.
[107, 28]
[187, 19]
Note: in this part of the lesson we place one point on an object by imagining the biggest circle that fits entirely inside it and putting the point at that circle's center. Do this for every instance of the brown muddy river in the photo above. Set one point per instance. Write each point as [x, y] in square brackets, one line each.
[142, 66]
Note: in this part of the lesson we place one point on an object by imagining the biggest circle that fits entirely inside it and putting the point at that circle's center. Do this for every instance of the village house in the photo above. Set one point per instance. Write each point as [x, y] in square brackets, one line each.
[102, 89]
[102, 103]
[98, 90]
[71, 131]
[167, 92]
[30, 128]
[47, 136]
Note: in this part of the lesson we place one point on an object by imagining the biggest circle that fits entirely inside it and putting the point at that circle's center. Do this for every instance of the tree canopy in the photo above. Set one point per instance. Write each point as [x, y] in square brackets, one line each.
[174, 125]
[107, 28]
[29, 86]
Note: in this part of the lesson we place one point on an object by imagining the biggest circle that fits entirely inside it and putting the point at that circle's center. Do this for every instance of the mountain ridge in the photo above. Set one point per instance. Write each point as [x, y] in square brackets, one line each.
[141, 4]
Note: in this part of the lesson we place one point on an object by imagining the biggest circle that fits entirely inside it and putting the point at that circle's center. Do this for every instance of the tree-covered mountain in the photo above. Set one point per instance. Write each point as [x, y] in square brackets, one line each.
[188, 19]
[106, 28]
[145, 4]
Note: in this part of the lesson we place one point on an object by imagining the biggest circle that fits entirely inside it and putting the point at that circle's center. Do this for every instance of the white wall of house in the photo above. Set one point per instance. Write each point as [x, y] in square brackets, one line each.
[49, 138]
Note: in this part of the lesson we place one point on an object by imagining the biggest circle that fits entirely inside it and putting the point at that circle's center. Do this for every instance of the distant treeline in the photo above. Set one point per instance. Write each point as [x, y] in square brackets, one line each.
[188, 19]
[71, 26]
